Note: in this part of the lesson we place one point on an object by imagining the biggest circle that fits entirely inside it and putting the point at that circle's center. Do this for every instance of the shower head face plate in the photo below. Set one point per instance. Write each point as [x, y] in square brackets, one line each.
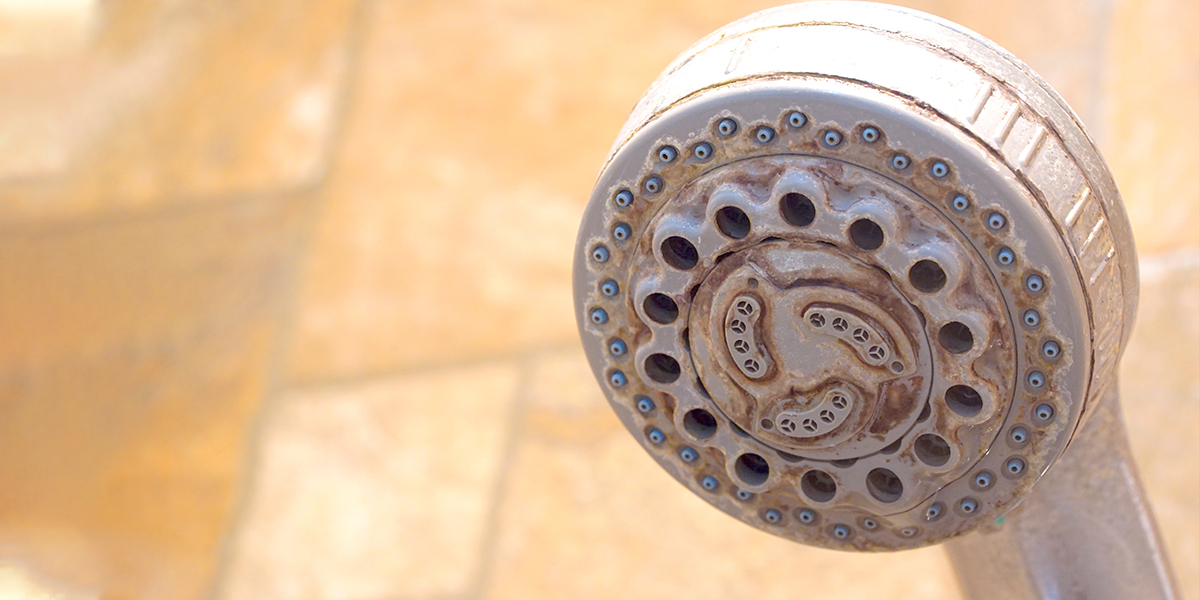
[830, 307]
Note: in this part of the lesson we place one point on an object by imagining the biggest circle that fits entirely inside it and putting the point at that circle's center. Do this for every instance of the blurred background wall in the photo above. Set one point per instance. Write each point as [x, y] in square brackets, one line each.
[285, 298]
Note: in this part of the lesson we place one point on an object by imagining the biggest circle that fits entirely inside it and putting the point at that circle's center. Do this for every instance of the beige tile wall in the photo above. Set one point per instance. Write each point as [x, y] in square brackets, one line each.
[136, 353]
[285, 306]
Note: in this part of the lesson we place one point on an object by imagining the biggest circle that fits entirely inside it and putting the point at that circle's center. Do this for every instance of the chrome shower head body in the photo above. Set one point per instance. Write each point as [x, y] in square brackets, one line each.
[854, 275]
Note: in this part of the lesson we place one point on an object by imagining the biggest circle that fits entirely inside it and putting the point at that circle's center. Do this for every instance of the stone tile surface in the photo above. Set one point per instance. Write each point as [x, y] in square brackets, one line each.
[172, 102]
[133, 361]
[1153, 115]
[136, 349]
[1160, 387]
[456, 192]
[375, 490]
[586, 514]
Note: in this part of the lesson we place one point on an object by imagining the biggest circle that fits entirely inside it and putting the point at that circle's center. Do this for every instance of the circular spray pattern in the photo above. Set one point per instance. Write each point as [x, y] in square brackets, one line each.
[832, 315]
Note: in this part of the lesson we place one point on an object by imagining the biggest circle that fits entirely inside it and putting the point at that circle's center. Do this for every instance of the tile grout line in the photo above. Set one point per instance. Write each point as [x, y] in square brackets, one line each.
[288, 307]
[57, 227]
[319, 384]
[251, 461]
[485, 565]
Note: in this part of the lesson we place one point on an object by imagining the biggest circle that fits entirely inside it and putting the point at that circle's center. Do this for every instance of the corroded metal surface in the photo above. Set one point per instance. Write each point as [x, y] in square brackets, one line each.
[843, 295]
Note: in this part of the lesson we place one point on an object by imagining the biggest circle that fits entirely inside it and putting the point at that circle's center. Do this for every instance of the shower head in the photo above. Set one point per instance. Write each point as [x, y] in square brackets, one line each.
[854, 275]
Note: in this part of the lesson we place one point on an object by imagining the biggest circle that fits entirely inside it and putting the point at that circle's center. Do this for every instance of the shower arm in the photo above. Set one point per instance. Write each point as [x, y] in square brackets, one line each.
[1085, 531]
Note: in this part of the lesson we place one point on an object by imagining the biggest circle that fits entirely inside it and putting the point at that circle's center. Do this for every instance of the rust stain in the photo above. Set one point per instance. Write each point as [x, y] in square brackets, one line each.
[898, 398]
